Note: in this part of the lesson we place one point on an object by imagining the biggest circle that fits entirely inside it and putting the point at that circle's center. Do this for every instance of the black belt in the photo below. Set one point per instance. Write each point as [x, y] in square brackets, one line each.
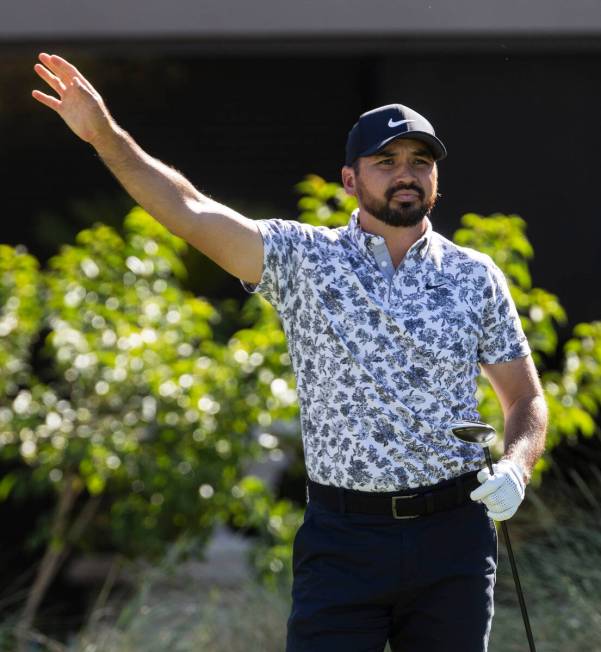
[409, 503]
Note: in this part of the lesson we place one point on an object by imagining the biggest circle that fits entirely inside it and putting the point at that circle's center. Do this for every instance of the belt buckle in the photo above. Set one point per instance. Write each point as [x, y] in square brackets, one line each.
[394, 499]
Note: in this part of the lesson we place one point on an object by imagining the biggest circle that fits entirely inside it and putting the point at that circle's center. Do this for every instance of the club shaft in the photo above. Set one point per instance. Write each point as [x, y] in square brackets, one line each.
[514, 569]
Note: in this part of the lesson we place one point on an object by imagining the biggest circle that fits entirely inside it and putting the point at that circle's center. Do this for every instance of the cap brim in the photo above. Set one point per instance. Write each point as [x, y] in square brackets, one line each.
[438, 149]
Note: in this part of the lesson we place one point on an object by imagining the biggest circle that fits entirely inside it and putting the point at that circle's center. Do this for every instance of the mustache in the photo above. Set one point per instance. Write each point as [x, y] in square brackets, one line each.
[404, 186]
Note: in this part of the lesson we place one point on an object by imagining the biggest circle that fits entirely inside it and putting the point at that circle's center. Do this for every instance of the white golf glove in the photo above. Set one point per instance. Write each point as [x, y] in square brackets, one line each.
[502, 492]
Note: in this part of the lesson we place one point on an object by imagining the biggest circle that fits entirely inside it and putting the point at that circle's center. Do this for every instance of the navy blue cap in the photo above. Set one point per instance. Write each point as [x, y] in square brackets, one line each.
[377, 127]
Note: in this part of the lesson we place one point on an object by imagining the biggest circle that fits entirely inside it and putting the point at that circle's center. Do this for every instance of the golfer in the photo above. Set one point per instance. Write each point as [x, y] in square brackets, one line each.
[388, 326]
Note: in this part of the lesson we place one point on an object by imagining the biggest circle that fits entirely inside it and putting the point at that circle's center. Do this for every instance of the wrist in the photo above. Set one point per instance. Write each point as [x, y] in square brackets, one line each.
[107, 138]
[520, 469]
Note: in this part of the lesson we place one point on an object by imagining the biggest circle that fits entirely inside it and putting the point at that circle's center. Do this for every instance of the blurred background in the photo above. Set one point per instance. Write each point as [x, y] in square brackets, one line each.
[246, 99]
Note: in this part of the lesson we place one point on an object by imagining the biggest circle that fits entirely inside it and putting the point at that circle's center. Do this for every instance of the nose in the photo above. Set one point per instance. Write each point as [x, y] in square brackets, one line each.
[404, 171]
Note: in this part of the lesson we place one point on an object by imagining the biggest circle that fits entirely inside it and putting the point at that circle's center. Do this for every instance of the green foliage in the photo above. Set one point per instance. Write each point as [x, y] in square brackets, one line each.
[139, 404]
[323, 203]
[573, 394]
[275, 522]
[503, 238]
[20, 315]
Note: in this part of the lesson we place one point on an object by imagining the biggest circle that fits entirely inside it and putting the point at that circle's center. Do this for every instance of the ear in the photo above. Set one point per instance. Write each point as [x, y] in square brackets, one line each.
[348, 180]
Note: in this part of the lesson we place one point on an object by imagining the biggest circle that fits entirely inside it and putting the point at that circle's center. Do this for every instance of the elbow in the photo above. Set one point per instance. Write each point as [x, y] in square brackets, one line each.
[534, 402]
[198, 204]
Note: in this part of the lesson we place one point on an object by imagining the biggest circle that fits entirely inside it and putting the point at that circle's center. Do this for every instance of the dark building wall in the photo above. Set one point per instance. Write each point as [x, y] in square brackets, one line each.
[523, 136]
[522, 133]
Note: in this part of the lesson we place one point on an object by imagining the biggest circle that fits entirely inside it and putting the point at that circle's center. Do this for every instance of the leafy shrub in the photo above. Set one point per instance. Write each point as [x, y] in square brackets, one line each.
[143, 423]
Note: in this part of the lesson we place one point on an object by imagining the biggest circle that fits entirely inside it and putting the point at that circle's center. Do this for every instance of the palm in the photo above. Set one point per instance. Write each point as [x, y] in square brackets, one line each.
[78, 103]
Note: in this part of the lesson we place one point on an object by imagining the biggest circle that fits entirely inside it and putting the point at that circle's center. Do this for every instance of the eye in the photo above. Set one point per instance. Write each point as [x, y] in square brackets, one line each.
[386, 161]
[421, 161]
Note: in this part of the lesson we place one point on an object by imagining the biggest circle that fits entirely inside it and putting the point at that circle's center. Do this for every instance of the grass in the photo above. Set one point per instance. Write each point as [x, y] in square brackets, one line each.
[182, 619]
[557, 543]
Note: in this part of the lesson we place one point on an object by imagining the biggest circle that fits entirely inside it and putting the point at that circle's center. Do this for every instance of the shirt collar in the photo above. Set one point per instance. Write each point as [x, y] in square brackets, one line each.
[366, 240]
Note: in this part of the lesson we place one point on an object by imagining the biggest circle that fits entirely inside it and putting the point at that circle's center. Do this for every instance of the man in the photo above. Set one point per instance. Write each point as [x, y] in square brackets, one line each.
[388, 324]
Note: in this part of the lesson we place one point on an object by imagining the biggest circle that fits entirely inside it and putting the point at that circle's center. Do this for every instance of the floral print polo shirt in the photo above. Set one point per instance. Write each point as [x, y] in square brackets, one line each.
[385, 359]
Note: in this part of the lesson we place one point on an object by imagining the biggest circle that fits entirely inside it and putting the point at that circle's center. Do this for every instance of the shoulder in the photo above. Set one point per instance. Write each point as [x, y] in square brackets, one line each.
[301, 231]
[463, 260]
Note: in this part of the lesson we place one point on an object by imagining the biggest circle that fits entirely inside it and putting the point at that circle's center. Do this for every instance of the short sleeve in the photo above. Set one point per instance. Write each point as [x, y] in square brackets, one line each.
[503, 337]
[285, 243]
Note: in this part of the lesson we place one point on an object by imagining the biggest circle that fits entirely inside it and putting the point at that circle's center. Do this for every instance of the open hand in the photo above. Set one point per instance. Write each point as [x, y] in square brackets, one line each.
[78, 102]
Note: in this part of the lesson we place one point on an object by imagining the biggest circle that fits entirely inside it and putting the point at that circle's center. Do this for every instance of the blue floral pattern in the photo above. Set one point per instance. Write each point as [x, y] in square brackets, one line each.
[385, 362]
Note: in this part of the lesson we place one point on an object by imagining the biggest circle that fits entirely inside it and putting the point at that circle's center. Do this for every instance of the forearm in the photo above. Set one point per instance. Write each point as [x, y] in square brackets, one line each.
[525, 431]
[162, 191]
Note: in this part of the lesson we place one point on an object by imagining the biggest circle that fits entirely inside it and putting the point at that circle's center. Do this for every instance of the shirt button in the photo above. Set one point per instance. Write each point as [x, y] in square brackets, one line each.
[384, 264]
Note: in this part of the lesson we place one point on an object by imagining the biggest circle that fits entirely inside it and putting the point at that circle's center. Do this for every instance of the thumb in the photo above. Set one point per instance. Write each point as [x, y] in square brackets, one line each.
[483, 475]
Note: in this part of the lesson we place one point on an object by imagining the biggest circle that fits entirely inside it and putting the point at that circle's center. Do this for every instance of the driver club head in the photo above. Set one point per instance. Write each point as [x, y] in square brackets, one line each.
[474, 432]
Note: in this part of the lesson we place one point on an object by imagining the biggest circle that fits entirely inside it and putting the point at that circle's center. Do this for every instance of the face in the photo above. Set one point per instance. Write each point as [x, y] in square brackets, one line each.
[398, 185]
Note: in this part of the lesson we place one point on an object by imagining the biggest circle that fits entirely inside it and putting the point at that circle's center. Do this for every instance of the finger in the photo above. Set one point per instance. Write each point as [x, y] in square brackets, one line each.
[59, 66]
[489, 487]
[484, 491]
[66, 71]
[76, 77]
[84, 83]
[483, 475]
[65, 68]
[48, 100]
[46, 59]
[54, 82]
[503, 516]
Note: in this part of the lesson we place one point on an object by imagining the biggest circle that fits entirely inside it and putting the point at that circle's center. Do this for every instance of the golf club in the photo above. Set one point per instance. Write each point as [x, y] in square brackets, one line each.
[477, 432]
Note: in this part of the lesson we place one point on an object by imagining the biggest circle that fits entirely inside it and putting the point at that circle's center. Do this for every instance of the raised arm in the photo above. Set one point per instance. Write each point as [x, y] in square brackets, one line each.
[225, 236]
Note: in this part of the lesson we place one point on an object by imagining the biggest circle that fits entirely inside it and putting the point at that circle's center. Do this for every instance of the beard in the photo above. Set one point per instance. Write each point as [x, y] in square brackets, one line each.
[399, 213]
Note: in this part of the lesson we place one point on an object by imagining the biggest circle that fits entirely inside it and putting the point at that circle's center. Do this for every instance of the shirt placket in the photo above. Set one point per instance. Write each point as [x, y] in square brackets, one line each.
[384, 262]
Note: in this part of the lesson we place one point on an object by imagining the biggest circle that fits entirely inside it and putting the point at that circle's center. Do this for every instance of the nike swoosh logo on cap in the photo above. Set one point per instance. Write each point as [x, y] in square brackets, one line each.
[392, 123]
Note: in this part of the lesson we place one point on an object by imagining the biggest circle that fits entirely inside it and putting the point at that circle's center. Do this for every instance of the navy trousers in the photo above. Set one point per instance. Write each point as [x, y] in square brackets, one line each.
[423, 584]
